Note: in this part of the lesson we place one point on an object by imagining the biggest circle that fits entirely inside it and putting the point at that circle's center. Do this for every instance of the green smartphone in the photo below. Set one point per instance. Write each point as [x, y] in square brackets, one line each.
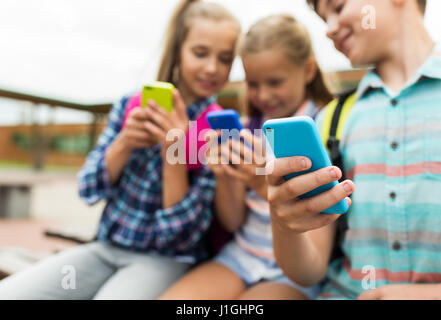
[160, 92]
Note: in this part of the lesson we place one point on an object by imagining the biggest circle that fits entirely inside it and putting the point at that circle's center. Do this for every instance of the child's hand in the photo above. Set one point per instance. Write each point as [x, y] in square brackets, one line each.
[162, 122]
[404, 292]
[248, 162]
[237, 160]
[134, 135]
[292, 214]
[215, 155]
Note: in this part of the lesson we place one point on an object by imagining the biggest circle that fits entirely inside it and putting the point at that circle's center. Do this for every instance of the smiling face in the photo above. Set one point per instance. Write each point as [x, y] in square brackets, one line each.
[206, 58]
[348, 28]
[276, 86]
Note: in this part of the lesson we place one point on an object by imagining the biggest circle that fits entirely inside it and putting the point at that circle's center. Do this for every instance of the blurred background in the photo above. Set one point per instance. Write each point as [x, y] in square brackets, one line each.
[62, 65]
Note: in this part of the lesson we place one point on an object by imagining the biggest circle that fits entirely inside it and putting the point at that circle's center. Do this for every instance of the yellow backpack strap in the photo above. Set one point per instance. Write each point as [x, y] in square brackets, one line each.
[336, 114]
[347, 108]
[326, 125]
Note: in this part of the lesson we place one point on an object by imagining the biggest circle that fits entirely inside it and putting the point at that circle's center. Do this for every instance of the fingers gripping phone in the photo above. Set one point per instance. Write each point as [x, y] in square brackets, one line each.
[298, 136]
[160, 92]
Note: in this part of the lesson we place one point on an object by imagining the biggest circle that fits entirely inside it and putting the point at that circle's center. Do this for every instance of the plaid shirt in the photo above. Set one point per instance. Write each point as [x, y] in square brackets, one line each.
[134, 217]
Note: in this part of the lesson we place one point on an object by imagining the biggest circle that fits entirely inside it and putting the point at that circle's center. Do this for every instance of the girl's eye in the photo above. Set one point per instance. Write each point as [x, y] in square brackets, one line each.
[226, 60]
[200, 54]
[339, 7]
[252, 85]
[275, 82]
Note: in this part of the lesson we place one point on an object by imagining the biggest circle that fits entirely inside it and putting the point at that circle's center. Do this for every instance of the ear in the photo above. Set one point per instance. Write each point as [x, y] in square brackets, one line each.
[310, 69]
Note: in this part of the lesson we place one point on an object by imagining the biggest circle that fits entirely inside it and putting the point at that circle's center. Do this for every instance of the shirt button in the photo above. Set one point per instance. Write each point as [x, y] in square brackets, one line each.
[396, 246]
[393, 195]
[394, 102]
[394, 145]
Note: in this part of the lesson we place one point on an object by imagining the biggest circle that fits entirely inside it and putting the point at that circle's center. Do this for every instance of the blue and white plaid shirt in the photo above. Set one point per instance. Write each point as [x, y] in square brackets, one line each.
[134, 217]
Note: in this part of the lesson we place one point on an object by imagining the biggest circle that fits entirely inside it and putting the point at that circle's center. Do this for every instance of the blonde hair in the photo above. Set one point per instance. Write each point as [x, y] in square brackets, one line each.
[286, 33]
[185, 13]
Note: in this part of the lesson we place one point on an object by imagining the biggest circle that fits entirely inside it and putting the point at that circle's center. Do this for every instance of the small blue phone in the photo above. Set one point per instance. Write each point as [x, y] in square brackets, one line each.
[225, 119]
[228, 120]
[298, 136]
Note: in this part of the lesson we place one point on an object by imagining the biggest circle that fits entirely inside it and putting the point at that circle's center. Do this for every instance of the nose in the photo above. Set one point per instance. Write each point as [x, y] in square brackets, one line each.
[333, 26]
[263, 95]
[212, 65]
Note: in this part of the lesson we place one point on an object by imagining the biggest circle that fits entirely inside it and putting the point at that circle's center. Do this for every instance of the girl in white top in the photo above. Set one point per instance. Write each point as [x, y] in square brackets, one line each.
[283, 80]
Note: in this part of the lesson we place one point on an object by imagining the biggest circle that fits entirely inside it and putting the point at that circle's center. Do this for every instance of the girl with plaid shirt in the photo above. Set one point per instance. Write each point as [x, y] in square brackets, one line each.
[157, 212]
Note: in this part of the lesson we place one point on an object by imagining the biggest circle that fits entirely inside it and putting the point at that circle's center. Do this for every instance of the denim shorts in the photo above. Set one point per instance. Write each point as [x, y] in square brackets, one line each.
[253, 269]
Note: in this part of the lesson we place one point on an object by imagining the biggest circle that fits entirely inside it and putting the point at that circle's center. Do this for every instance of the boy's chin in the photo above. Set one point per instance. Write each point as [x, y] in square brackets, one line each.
[360, 62]
[357, 60]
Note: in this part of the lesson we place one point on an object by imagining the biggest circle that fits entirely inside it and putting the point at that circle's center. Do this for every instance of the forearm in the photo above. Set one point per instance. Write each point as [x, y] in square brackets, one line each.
[298, 256]
[117, 156]
[262, 190]
[230, 203]
[175, 184]
[414, 291]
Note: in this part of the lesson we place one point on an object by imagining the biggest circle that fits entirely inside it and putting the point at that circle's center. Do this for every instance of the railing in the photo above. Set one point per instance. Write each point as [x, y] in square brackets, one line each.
[94, 108]
[40, 145]
[233, 96]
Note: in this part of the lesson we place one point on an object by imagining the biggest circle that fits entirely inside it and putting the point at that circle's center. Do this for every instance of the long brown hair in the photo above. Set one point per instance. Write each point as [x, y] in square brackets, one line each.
[286, 33]
[180, 23]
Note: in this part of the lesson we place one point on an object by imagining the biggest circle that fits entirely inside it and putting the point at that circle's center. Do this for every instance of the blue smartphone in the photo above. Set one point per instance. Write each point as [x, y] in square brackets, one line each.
[298, 136]
[227, 120]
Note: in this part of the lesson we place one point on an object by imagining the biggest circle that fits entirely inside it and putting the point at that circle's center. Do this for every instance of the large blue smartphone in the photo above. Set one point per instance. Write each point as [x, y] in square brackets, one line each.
[225, 120]
[298, 136]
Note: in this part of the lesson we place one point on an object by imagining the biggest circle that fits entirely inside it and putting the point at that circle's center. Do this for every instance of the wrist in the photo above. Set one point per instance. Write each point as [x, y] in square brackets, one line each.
[223, 179]
[260, 187]
[262, 191]
[120, 145]
[283, 229]
[174, 168]
[220, 175]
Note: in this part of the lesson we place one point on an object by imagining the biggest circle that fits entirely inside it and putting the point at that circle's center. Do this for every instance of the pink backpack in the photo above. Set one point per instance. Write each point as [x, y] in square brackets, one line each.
[201, 124]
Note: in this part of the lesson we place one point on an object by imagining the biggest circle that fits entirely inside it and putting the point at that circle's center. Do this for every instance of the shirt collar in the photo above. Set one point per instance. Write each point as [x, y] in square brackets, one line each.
[431, 68]
[308, 108]
[194, 110]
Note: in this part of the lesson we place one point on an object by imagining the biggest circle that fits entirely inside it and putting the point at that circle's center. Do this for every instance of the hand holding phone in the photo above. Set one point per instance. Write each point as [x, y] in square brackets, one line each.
[241, 153]
[227, 121]
[161, 122]
[299, 137]
[160, 92]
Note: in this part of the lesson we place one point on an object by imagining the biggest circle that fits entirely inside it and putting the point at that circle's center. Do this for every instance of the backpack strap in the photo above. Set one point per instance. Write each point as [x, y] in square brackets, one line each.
[336, 114]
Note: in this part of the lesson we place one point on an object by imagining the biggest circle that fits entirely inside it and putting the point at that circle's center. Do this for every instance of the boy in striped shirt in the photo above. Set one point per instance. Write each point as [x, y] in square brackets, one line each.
[391, 149]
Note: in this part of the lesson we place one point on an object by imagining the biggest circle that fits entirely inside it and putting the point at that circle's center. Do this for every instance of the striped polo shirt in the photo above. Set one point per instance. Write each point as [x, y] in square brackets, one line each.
[391, 147]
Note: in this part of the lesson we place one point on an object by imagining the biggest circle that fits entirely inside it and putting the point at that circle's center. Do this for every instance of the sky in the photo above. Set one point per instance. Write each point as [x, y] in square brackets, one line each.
[94, 51]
